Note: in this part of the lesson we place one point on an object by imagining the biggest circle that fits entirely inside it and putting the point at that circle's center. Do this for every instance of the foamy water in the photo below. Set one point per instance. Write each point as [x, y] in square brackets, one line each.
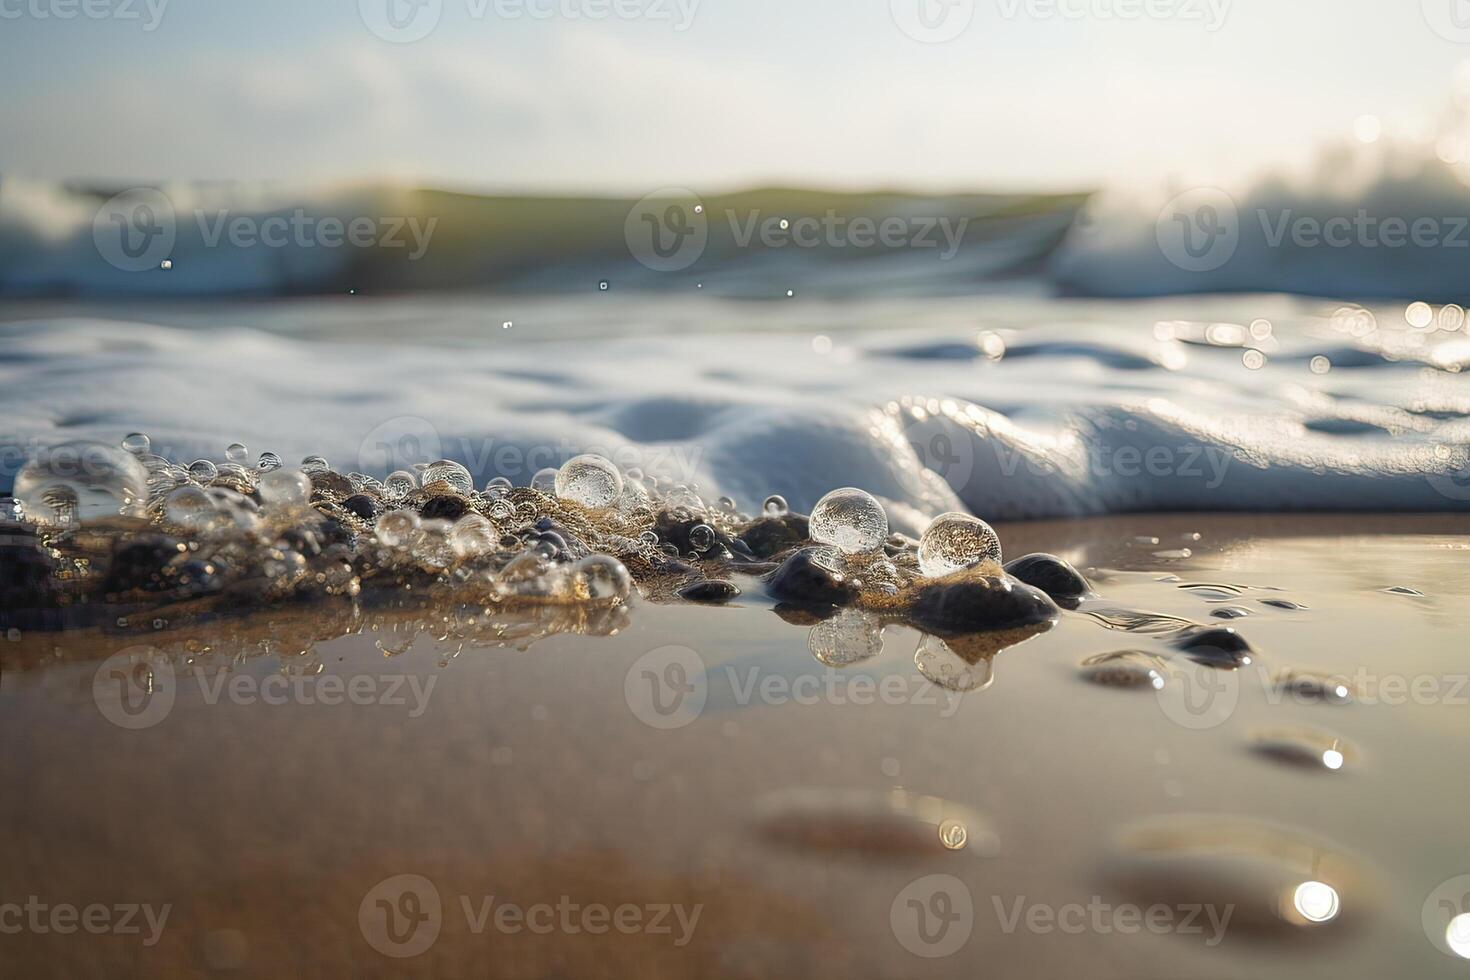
[1011, 407]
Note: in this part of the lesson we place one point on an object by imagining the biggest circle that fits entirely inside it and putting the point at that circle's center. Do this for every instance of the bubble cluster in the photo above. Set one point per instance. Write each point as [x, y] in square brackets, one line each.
[954, 541]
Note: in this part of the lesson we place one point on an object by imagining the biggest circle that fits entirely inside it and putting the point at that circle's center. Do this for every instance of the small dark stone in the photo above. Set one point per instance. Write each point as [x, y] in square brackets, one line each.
[1214, 646]
[712, 591]
[675, 532]
[362, 505]
[445, 507]
[139, 563]
[303, 539]
[801, 580]
[331, 483]
[1051, 575]
[199, 577]
[772, 535]
[977, 604]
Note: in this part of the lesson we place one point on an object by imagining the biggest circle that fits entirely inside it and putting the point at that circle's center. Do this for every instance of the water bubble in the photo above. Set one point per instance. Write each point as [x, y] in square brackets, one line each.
[849, 637]
[940, 664]
[852, 520]
[604, 578]
[1320, 365]
[312, 465]
[775, 506]
[1419, 315]
[1253, 359]
[451, 473]
[268, 462]
[203, 471]
[191, 507]
[136, 443]
[589, 480]
[954, 541]
[399, 484]
[432, 547]
[499, 485]
[648, 539]
[396, 528]
[285, 488]
[473, 535]
[237, 453]
[953, 835]
[80, 481]
[545, 480]
[702, 537]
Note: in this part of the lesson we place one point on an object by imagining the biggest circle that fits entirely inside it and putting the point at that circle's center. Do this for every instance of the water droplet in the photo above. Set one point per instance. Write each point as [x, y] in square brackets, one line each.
[281, 489]
[452, 473]
[545, 480]
[602, 285]
[954, 541]
[506, 325]
[1253, 359]
[81, 481]
[399, 484]
[431, 546]
[1314, 687]
[953, 835]
[166, 264]
[191, 507]
[473, 535]
[1126, 669]
[137, 443]
[203, 471]
[849, 637]
[775, 506]
[604, 578]
[702, 537]
[1320, 365]
[268, 462]
[589, 480]
[790, 293]
[1303, 747]
[312, 465]
[237, 453]
[851, 520]
[397, 528]
[940, 664]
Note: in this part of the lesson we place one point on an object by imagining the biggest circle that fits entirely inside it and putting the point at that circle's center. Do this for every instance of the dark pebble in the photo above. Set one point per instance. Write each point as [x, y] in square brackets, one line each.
[139, 563]
[445, 507]
[800, 580]
[1051, 575]
[974, 605]
[1214, 646]
[713, 591]
[331, 483]
[362, 505]
[772, 535]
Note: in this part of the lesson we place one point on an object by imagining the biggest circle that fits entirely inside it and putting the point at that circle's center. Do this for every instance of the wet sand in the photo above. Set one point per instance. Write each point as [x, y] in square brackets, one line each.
[787, 816]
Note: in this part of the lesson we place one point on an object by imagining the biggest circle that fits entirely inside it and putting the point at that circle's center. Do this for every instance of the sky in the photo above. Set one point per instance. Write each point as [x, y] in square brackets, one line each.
[631, 95]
